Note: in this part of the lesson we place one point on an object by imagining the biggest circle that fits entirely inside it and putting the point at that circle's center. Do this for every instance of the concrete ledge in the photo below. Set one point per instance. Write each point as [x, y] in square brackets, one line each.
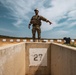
[63, 60]
[64, 46]
[12, 59]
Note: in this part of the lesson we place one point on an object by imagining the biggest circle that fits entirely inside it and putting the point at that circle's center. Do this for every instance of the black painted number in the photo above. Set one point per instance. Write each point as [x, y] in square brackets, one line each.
[35, 57]
[38, 57]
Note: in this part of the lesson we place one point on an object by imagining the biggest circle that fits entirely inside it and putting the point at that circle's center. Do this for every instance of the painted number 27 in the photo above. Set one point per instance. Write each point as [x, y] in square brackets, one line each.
[38, 57]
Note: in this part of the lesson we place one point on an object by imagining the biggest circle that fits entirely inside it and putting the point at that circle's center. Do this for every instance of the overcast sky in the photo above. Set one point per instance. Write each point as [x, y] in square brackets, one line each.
[16, 14]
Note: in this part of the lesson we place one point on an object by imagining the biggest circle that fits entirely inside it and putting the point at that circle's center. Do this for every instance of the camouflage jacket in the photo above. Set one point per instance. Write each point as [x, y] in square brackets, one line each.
[36, 20]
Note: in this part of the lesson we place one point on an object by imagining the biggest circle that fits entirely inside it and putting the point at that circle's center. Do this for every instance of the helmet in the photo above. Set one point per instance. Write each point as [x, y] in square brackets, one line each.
[36, 10]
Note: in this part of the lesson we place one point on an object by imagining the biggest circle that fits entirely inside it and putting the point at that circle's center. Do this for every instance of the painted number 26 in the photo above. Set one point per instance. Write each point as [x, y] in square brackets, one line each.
[38, 57]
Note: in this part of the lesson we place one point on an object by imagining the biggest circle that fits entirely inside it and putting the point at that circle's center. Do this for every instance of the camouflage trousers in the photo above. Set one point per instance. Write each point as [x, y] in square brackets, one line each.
[34, 30]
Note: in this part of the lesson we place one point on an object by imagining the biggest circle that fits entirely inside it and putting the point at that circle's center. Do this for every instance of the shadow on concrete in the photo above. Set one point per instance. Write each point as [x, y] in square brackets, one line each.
[45, 70]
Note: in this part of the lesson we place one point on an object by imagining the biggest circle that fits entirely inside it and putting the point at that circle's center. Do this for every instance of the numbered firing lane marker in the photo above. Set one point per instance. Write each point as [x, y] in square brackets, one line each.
[38, 56]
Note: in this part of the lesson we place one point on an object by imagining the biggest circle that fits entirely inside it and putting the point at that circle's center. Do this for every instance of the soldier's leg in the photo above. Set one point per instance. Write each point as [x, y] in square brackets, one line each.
[33, 34]
[39, 34]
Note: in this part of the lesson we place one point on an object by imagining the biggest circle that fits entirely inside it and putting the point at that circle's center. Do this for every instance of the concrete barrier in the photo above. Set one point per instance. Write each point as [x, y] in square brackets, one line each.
[37, 59]
[12, 60]
[63, 60]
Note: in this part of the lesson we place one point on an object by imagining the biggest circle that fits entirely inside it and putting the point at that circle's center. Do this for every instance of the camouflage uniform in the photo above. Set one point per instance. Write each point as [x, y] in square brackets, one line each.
[36, 23]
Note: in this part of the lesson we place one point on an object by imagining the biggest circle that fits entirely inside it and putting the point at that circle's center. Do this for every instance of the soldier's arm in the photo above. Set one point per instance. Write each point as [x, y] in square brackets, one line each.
[30, 23]
[44, 19]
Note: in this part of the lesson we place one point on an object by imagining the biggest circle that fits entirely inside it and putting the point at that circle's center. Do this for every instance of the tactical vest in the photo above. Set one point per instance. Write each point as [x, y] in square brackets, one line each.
[36, 20]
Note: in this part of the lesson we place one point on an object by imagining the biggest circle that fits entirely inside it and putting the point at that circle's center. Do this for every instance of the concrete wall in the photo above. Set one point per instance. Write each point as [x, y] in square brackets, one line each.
[37, 59]
[12, 60]
[63, 60]
[37, 66]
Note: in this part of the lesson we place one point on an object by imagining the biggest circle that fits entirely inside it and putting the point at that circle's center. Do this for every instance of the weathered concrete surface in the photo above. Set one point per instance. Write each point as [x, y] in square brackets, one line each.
[42, 65]
[63, 60]
[37, 59]
[12, 60]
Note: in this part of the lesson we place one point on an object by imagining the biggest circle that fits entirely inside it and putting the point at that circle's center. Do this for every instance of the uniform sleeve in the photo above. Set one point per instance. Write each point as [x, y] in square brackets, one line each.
[43, 18]
[31, 20]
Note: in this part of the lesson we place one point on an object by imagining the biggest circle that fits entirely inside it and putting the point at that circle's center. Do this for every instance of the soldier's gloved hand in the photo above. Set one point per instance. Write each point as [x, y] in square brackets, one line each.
[29, 26]
[50, 22]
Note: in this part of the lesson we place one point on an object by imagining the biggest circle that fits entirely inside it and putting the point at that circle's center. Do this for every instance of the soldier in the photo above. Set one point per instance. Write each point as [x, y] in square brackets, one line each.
[36, 23]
